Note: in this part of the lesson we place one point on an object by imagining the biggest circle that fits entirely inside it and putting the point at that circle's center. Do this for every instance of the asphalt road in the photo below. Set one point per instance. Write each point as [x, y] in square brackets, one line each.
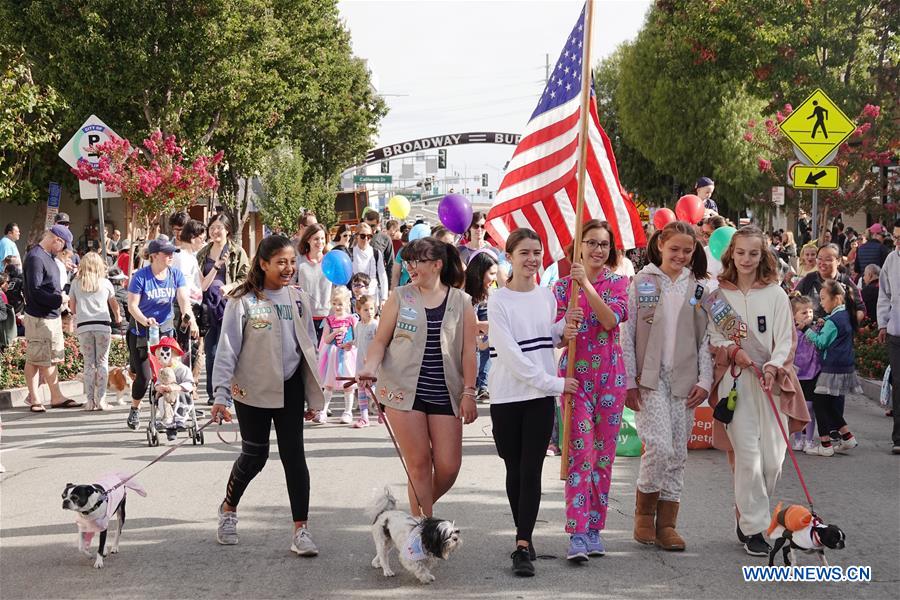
[169, 549]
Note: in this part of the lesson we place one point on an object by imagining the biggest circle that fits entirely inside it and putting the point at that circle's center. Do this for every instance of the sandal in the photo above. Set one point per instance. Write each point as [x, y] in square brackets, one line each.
[68, 403]
[37, 408]
[360, 423]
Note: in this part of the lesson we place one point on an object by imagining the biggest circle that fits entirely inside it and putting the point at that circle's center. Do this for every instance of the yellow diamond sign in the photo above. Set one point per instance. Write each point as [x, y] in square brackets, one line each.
[817, 127]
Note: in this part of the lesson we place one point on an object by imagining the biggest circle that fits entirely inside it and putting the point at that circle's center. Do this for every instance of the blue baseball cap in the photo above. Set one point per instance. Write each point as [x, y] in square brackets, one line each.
[161, 244]
[63, 233]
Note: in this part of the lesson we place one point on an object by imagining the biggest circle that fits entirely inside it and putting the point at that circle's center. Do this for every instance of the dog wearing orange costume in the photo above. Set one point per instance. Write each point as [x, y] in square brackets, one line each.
[799, 529]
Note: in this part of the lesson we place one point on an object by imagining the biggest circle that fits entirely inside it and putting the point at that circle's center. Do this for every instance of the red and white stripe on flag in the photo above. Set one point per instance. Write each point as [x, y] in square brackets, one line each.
[540, 188]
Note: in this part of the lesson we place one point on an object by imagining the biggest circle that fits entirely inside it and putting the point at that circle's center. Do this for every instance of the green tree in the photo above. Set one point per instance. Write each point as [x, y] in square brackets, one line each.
[27, 111]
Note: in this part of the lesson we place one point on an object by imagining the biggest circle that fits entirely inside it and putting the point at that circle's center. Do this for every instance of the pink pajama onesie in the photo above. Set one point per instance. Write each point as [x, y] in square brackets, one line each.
[597, 406]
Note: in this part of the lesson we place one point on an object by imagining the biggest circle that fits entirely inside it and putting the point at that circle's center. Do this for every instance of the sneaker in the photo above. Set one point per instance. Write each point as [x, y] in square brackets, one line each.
[483, 396]
[226, 534]
[757, 546]
[171, 434]
[553, 450]
[808, 445]
[320, 418]
[742, 537]
[820, 451]
[134, 418]
[798, 444]
[360, 423]
[303, 544]
[346, 418]
[595, 543]
[578, 550]
[522, 565]
[845, 445]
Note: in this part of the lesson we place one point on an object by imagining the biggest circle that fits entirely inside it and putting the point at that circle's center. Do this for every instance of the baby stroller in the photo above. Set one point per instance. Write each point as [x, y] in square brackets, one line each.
[185, 413]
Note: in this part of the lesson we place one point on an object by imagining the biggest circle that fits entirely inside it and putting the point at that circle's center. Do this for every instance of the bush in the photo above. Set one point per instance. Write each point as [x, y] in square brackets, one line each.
[12, 361]
[871, 357]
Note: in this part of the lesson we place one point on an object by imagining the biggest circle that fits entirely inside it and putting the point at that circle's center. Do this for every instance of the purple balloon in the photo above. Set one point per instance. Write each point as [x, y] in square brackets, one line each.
[455, 212]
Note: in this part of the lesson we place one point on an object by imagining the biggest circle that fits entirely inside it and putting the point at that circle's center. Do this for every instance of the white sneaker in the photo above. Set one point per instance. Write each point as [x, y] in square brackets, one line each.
[845, 445]
[808, 445]
[226, 534]
[320, 418]
[303, 544]
[798, 444]
[820, 451]
[346, 418]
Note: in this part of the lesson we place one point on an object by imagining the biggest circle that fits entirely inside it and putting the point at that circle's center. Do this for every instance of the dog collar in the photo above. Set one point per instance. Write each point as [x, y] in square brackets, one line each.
[102, 499]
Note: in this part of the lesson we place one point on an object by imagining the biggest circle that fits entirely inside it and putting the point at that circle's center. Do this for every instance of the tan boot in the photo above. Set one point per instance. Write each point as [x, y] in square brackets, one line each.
[644, 512]
[666, 517]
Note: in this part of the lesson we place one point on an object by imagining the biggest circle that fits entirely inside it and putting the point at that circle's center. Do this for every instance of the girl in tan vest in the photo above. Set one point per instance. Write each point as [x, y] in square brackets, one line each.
[669, 373]
[424, 357]
[266, 367]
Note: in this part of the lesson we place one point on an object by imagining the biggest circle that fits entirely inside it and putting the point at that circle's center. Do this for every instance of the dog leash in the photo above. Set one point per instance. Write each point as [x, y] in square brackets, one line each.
[762, 383]
[168, 451]
[382, 418]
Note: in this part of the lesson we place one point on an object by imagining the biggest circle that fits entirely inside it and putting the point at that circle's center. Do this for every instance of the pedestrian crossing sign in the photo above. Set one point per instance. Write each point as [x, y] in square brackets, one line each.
[817, 127]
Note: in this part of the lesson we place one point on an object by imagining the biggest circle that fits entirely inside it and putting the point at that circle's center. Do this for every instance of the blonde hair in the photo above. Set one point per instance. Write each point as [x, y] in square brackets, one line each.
[340, 293]
[90, 272]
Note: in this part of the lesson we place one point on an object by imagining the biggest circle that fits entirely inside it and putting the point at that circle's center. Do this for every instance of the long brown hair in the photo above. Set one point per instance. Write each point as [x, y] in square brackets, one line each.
[659, 237]
[613, 259]
[429, 248]
[766, 271]
[517, 237]
[310, 230]
[256, 278]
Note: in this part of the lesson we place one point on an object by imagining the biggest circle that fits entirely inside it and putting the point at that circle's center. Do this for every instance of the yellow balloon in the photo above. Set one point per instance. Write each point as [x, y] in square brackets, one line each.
[399, 206]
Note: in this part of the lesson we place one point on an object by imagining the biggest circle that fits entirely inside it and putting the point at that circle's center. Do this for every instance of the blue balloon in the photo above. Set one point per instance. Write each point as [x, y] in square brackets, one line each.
[419, 231]
[337, 267]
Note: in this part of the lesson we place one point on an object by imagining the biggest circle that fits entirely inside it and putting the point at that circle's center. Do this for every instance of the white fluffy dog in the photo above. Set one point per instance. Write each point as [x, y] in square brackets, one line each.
[419, 541]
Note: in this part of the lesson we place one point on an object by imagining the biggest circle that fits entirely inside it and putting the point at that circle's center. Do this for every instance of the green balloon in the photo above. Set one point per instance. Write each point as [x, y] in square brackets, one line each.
[719, 240]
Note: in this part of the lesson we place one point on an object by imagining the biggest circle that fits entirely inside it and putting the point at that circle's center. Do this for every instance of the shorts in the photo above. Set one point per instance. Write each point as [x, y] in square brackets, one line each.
[46, 346]
[433, 409]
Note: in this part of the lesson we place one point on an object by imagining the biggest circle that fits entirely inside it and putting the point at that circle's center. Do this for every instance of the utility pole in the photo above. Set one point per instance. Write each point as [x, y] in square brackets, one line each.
[546, 69]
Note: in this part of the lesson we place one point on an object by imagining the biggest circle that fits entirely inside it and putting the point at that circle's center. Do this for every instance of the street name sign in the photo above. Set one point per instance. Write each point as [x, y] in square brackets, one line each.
[373, 179]
[816, 178]
[817, 127]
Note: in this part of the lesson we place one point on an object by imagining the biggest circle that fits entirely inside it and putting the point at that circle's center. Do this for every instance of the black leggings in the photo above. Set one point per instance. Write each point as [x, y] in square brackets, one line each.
[521, 434]
[829, 413]
[256, 426]
[137, 359]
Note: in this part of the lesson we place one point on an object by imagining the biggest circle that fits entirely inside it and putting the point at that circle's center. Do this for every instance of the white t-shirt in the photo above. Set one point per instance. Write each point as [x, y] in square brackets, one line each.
[92, 306]
[523, 363]
[186, 262]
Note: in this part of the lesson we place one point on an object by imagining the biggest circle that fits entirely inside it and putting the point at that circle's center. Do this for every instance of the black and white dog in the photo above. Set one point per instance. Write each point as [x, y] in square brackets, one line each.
[96, 504]
[796, 528]
[419, 541]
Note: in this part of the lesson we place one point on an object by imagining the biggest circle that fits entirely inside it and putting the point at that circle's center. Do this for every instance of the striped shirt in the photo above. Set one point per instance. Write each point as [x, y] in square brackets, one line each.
[432, 387]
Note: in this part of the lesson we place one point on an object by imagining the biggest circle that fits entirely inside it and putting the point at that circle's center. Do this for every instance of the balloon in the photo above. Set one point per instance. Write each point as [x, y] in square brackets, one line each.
[455, 212]
[399, 206]
[689, 208]
[419, 231]
[663, 217]
[719, 240]
[337, 267]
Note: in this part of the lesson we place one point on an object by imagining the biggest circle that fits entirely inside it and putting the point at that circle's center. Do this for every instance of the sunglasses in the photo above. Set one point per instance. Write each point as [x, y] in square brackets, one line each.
[365, 236]
[477, 226]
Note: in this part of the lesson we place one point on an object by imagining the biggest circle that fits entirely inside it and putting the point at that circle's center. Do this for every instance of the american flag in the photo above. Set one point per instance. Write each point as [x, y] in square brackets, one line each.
[540, 187]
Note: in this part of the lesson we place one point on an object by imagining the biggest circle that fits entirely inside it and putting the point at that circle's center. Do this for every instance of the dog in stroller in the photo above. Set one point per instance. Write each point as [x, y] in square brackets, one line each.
[171, 401]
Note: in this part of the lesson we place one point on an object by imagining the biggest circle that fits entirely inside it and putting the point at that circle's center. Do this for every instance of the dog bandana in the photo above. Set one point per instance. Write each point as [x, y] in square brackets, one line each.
[413, 549]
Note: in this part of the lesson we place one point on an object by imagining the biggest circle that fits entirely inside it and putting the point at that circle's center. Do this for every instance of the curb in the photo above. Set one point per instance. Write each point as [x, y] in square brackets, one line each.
[15, 397]
[871, 389]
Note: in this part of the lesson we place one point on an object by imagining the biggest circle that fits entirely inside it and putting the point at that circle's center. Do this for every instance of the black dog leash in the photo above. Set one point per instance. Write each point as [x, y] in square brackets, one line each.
[382, 416]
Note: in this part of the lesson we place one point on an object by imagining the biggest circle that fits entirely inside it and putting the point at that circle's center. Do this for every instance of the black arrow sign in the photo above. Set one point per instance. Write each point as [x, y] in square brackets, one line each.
[813, 178]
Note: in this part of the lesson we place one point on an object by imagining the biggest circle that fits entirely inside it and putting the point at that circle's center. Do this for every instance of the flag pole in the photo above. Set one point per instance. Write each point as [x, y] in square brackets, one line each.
[576, 247]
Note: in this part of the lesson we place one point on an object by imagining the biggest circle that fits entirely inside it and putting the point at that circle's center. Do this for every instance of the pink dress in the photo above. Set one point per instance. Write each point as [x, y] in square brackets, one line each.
[334, 361]
[597, 406]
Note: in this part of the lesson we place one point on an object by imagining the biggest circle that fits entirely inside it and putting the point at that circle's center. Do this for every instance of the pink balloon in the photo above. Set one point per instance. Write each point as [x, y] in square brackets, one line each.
[689, 208]
[663, 217]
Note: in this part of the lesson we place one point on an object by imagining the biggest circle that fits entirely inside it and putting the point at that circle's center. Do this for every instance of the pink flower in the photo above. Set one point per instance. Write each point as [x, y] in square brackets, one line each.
[779, 116]
[751, 123]
[748, 137]
[764, 165]
[788, 109]
[871, 110]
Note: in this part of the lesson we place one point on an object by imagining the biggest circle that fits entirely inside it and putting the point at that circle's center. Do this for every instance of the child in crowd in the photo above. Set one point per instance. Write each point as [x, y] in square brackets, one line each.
[807, 364]
[807, 262]
[337, 355]
[359, 285]
[363, 334]
[481, 278]
[669, 371]
[838, 373]
[524, 384]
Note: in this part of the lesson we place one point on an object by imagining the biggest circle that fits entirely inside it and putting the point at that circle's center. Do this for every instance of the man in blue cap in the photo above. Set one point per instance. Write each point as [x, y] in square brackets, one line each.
[43, 326]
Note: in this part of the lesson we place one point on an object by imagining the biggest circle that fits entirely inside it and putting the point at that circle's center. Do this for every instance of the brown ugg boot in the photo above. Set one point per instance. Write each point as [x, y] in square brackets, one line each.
[644, 511]
[666, 517]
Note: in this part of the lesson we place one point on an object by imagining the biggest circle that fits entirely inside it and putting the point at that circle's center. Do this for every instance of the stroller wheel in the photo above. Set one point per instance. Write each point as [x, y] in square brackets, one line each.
[152, 439]
[194, 436]
[200, 437]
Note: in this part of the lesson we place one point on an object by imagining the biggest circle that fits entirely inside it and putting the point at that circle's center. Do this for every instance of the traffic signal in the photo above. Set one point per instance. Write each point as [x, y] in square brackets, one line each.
[442, 159]
[484, 179]
[385, 166]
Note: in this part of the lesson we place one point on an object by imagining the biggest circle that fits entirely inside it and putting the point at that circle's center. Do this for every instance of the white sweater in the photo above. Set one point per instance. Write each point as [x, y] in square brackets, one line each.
[523, 334]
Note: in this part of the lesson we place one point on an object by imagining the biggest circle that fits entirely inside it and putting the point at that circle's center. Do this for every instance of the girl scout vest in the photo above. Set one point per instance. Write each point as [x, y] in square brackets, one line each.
[258, 379]
[649, 332]
[399, 372]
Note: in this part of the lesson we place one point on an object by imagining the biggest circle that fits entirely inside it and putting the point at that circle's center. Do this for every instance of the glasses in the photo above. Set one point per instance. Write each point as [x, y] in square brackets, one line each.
[594, 244]
[477, 226]
[414, 264]
[359, 284]
[365, 236]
